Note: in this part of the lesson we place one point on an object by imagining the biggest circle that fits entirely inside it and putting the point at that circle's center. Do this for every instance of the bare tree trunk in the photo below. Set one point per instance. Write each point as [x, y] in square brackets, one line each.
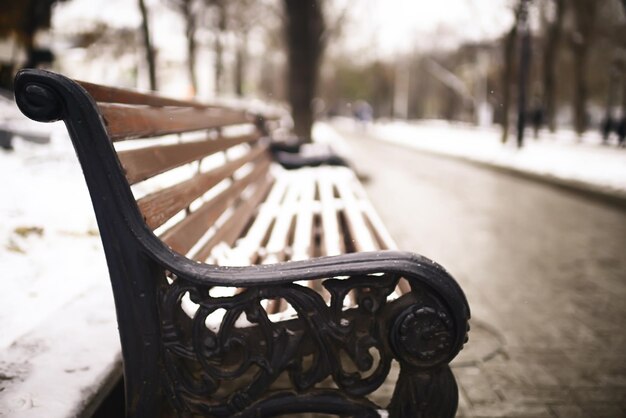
[241, 58]
[507, 77]
[523, 68]
[549, 64]
[219, 47]
[584, 14]
[304, 29]
[580, 88]
[190, 33]
[145, 28]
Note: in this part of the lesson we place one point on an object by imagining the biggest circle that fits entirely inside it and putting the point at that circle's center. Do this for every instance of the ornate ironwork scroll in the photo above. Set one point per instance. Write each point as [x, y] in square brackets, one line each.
[229, 369]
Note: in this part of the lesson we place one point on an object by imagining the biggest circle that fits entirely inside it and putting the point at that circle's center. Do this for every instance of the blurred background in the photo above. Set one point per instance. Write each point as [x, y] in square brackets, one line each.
[489, 133]
[477, 61]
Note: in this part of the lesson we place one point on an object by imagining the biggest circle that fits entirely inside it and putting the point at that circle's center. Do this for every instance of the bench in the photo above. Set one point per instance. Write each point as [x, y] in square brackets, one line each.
[242, 288]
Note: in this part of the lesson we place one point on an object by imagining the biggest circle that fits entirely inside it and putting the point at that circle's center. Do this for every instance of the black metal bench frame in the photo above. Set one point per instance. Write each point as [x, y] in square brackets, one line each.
[174, 370]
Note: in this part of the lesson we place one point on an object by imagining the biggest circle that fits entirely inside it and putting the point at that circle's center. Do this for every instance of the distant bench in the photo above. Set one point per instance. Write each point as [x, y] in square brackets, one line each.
[242, 288]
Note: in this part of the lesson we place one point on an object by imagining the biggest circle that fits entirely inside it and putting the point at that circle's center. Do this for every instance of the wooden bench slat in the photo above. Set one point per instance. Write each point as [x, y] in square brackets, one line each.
[279, 235]
[378, 230]
[131, 122]
[116, 95]
[358, 229]
[302, 247]
[247, 248]
[184, 235]
[235, 224]
[277, 243]
[143, 163]
[332, 241]
[160, 206]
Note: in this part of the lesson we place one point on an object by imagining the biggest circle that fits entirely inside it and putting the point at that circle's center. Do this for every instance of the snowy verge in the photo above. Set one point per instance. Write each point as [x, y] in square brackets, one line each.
[59, 345]
[560, 158]
[64, 367]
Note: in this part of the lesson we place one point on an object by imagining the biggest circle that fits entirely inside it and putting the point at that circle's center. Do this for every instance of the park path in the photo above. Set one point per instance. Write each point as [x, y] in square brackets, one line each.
[543, 269]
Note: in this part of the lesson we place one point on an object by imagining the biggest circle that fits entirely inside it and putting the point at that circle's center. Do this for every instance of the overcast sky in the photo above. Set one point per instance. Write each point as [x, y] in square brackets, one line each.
[391, 26]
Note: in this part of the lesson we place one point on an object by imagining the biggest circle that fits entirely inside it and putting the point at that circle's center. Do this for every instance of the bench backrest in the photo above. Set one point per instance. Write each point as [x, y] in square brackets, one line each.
[189, 164]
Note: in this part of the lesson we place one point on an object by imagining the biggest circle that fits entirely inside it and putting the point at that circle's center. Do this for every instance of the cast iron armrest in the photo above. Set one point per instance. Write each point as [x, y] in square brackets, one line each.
[423, 330]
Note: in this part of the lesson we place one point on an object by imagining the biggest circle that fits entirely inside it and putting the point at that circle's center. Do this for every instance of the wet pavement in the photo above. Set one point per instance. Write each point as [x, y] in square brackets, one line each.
[544, 271]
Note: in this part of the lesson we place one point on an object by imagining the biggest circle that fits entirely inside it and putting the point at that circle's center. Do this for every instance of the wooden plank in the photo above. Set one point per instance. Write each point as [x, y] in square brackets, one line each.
[123, 96]
[359, 232]
[303, 242]
[160, 206]
[378, 229]
[302, 247]
[279, 236]
[332, 241]
[131, 122]
[184, 235]
[234, 225]
[247, 248]
[277, 243]
[143, 163]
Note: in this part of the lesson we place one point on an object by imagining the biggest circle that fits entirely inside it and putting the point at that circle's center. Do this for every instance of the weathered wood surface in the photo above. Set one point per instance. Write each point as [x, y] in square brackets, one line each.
[161, 205]
[106, 94]
[125, 122]
[143, 163]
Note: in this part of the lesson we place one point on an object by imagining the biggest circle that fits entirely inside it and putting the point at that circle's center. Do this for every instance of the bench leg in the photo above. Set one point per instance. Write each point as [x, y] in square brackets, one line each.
[424, 394]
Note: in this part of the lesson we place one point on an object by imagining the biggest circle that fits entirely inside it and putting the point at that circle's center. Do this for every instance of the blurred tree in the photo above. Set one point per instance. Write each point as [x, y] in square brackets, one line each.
[584, 12]
[220, 25]
[304, 31]
[22, 19]
[243, 16]
[150, 59]
[554, 29]
[507, 73]
[523, 72]
[188, 9]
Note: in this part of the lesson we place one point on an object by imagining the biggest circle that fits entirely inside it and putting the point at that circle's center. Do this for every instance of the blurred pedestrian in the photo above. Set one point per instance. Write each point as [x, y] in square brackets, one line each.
[621, 131]
[536, 118]
[607, 126]
[363, 113]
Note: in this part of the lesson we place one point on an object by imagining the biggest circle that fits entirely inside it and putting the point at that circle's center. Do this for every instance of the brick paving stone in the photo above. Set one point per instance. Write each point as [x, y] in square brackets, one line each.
[503, 373]
[603, 410]
[475, 386]
[606, 394]
[567, 411]
[464, 406]
[537, 394]
[506, 409]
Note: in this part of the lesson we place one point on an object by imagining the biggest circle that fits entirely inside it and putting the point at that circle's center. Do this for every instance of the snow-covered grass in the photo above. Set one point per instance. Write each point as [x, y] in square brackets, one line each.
[561, 156]
[50, 250]
[59, 346]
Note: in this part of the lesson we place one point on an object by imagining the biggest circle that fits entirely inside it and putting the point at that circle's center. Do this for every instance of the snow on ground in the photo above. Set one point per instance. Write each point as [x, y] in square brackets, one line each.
[561, 156]
[59, 347]
[50, 250]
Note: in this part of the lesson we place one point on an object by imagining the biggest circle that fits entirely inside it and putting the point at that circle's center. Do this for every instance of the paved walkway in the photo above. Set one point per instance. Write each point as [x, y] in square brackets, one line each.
[543, 270]
[580, 163]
